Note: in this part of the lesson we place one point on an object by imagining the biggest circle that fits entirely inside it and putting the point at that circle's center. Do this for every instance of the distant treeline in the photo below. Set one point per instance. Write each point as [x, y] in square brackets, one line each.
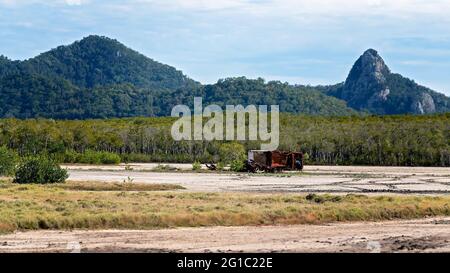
[389, 140]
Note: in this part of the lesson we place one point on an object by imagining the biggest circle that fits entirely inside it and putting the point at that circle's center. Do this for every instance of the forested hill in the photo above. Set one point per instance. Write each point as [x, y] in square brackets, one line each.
[99, 61]
[99, 77]
[291, 99]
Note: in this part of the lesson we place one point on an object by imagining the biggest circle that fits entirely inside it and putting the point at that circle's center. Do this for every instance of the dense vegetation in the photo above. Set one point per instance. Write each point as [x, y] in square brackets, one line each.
[98, 77]
[389, 140]
[291, 99]
[89, 157]
[28, 96]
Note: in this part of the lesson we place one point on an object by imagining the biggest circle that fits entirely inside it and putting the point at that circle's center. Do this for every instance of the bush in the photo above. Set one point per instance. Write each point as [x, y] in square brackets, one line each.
[89, 157]
[230, 152]
[94, 157]
[220, 166]
[70, 156]
[8, 161]
[306, 158]
[135, 157]
[196, 166]
[109, 158]
[39, 170]
[237, 165]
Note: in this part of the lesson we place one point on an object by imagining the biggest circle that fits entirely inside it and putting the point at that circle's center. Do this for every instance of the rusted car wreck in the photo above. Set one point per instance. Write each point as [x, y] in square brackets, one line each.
[274, 161]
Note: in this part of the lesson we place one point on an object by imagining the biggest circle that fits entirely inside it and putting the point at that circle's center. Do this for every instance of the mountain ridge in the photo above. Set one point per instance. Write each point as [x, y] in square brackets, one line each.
[99, 77]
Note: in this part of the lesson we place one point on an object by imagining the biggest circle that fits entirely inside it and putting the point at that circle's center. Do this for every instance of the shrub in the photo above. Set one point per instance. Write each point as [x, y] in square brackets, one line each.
[232, 151]
[135, 157]
[237, 165]
[306, 158]
[89, 157]
[8, 161]
[109, 158]
[70, 156]
[39, 170]
[94, 157]
[196, 166]
[220, 166]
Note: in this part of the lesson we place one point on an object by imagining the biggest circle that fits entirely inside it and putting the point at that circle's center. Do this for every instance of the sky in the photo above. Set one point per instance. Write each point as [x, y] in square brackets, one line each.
[297, 41]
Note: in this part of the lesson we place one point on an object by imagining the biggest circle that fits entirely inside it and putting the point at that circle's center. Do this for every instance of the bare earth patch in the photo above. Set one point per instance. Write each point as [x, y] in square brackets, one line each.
[331, 179]
[426, 235]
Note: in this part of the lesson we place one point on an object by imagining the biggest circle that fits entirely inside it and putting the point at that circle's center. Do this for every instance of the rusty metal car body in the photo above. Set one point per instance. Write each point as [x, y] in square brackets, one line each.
[274, 161]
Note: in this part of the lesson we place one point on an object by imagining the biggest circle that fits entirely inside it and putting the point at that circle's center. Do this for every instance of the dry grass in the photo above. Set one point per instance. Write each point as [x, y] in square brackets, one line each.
[101, 186]
[28, 207]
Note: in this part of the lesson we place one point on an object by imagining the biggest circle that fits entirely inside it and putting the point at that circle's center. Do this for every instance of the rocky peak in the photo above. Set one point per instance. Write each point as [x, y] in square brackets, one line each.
[370, 86]
[373, 63]
[370, 66]
[366, 83]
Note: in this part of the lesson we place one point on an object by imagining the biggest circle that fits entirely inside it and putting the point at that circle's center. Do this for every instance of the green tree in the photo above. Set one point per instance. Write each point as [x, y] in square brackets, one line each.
[8, 161]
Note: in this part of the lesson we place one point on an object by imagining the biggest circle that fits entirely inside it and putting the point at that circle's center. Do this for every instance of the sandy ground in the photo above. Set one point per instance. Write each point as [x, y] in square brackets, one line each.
[426, 235]
[333, 179]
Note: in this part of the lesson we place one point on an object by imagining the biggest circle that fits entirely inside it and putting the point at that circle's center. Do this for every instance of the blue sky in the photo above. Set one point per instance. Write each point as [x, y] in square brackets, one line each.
[298, 41]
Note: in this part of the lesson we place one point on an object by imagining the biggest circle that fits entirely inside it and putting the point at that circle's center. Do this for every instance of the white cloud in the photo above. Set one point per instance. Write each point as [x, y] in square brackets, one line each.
[74, 2]
[10, 2]
[48, 2]
[195, 4]
[398, 8]
[329, 7]
[247, 37]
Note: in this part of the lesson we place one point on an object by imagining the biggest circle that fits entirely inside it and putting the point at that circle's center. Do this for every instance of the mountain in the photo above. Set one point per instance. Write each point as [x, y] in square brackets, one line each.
[98, 61]
[98, 77]
[373, 88]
